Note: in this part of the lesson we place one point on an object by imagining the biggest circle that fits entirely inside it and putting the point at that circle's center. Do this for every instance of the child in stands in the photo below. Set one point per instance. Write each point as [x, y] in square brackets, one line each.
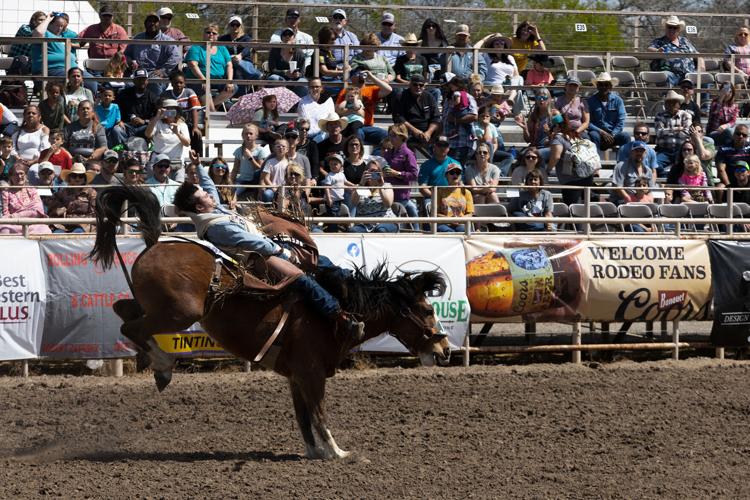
[56, 153]
[109, 117]
[52, 108]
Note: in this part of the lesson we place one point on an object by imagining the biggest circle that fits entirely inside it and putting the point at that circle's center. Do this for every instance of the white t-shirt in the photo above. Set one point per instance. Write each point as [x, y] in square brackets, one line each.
[313, 111]
[166, 141]
[335, 179]
[497, 72]
[276, 170]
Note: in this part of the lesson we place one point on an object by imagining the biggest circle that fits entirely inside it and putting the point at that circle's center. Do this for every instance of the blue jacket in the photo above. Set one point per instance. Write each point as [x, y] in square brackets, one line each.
[609, 116]
[462, 64]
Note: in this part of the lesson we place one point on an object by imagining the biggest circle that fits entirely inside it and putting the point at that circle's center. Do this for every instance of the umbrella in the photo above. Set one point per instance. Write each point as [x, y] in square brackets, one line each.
[243, 110]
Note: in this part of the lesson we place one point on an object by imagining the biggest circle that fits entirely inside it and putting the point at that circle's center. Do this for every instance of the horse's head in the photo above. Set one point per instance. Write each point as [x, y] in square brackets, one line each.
[416, 325]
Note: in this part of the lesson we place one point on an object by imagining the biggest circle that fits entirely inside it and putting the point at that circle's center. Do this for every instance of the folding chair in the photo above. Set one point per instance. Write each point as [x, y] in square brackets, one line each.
[579, 210]
[625, 62]
[739, 78]
[722, 212]
[557, 65]
[699, 210]
[632, 98]
[744, 209]
[712, 64]
[562, 210]
[585, 75]
[490, 210]
[679, 211]
[636, 210]
[588, 62]
[6, 63]
[705, 79]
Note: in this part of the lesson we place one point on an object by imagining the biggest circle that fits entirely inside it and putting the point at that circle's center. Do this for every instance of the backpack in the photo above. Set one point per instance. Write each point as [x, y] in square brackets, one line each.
[582, 159]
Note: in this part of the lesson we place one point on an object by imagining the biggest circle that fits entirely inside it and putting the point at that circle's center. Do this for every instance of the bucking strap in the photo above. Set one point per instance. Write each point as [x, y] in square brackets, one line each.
[272, 338]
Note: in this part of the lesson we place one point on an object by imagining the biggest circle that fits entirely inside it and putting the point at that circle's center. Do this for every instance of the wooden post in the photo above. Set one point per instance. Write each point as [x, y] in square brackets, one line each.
[636, 33]
[576, 340]
[130, 20]
[467, 346]
[209, 99]
[676, 339]
[719, 353]
[25, 368]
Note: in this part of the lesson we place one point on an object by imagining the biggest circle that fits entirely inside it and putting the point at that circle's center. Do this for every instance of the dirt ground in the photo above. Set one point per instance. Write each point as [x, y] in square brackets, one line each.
[622, 430]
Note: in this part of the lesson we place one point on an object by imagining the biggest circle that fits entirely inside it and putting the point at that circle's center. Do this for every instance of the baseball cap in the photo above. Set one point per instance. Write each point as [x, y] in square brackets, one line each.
[687, 83]
[638, 145]
[235, 18]
[164, 11]
[170, 103]
[287, 32]
[442, 141]
[462, 29]
[160, 158]
[335, 157]
[387, 18]
[45, 165]
[340, 12]
[741, 166]
[417, 78]
[140, 73]
[572, 80]
[292, 13]
[454, 166]
[106, 9]
[110, 154]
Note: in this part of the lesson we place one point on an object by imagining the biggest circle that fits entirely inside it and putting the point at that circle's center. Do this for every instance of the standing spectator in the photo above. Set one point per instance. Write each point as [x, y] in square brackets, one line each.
[165, 16]
[628, 172]
[20, 201]
[402, 167]
[21, 52]
[462, 63]
[419, 112]
[242, 54]
[389, 38]
[454, 200]
[313, 107]
[529, 161]
[170, 136]
[157, 60]
[287, 64]
[533, 201]
[688, 92]
[672, 43]
[431, 35]
[74, 200]
[160, 182]
[641, 132]
[371, 61]
[459, 114]
[292, 20]
[432, 171]
[574, 108]
[527, 38]
[722, 116]
[342, 35]
[607, 111]
[740, 47]
[85, 136]
[562, 141]
[672, 129]
[221, 68]
[33, 137]
[138, 104]
[370, 95]
[374, 200]
[248, 161]
[52, 108]
[728, 157]
[75, 93]
[106, 29]
[483, 176]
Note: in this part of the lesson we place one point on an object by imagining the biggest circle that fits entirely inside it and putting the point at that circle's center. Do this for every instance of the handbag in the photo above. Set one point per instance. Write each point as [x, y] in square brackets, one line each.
[582, 159]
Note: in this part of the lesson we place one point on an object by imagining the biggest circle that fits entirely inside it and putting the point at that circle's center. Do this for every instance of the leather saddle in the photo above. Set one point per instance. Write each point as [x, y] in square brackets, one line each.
[268, 276]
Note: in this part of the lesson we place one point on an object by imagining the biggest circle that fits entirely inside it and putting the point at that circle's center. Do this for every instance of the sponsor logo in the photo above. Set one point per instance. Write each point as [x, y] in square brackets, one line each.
[353, 249]
[671, 299]
[735, 318]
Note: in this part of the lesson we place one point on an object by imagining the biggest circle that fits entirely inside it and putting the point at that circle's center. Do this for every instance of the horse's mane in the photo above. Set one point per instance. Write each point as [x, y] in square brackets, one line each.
[378, 294]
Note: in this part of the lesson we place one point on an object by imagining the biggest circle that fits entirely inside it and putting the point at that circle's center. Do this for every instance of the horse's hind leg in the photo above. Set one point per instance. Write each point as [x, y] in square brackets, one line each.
[313, 391]
[304, 421]
[130, 310]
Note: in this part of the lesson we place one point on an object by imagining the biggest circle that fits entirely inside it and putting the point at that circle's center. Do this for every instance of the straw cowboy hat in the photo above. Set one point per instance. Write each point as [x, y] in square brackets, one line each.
[487, 41]
[673, 96]
[673, 21]
[605, 77]
[78, 168]
[410, 39]
[498, 90]
[332, 117]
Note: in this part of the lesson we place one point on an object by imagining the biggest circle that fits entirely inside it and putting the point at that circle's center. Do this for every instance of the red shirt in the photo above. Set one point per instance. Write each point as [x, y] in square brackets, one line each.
[62, 159]
[104, 50]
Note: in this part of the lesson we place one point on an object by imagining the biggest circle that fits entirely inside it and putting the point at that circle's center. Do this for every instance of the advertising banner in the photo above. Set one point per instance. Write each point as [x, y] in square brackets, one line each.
[404, 254]
[23, 294]
[344, 250]
[730, 263]
[80, 321]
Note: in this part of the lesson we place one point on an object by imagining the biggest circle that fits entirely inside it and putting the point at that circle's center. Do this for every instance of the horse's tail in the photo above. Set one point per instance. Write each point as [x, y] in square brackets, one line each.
[109, 211]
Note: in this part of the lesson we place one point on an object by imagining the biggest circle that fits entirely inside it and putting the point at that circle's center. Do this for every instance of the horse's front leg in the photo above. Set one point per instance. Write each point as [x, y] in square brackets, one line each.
[313, 390]
[304, 421]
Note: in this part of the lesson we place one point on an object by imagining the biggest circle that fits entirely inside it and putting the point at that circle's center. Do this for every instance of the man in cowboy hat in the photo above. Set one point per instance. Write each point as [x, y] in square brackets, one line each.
[672, 129]
[389, 38]
[672, 43]
[462, 63]
[333, 125]
[607, 114]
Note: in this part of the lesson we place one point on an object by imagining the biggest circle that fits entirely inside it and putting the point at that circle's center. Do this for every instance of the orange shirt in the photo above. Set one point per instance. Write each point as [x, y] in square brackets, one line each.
[369, 94]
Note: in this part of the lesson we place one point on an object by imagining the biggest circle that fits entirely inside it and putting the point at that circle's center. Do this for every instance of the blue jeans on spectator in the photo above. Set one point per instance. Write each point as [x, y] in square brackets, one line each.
[664, 159]
[722, 137]
[504, 161]
[267, 195]
[378, 228]
[371, 135]
[116, 135]
[246, 70]
[300, 90]
[527, 226]
[136, 130]
[674, 79]
[620, 138]
[451, 228]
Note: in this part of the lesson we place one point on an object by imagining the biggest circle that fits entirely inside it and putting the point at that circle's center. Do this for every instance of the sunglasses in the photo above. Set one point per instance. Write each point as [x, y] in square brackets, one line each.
[132, 172]
[640, 133]
[483, 153]
[219, 166]
[740, 134]
[162, 165]
[386, 24]
[542, 98]
[235, 25]
[743, 34]
[210, 33]
[531, 157]
[339, 17]
[454, 173]
[76, 176]
[166, 17]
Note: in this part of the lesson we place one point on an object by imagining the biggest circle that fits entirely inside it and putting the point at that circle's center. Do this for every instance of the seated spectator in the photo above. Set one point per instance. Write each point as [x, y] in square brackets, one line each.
[116, 68]
[56, 154]
[727, 157]
[8, 158]
[641, 132]
[536, 126]
[21, 201]
[370, 95]
[374, 198]
[296, 199]
[47, 181]
[742, 180]
[160, 183]
[401, 168]
[342, 36]
[562, 140]
[483, 176]
[533, 201]
[740, 47]
[694, 177]
[431, 35]
[627, 173]
[307, 147]
[52, 109]
[334, 143]
[108, 174]
[336, 179]
[170, 136]
[138, 104]
[158, 61]
[538, 75]
[722, 116]
[352, 110]
[389, 38]
[500, 103]
[221, 68]
[354, 159]
[527, 38]
[575, 109]
[21, 52]
[288, 63]
[105, 29]
[248, 161]
[698, 145]
[219, 173]
[190, 106]
[109, 117]
[462, 63]
[410, 63]
[459, 114]
[331, 70]
[33, 137]
[56, 26]
[292, 21]
[672, 129]
[486, 132]
[242, 54]
[74, 200]
[134, 173]
[85, 136]
[166, 15]
[501, 68]
[528, 161]
[607, 114]
[476, 89]
[419, 112]
[454, 200]
[687, 89]
[672, 43]
[292, 136]
[368, 59]
[313, 107]
[266, 118]
[75, 93]
[274, 169]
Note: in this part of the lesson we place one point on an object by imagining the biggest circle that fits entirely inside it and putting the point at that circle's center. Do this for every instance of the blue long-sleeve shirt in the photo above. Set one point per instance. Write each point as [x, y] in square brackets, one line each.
[608, 116]
[462, 64]
[153, 57]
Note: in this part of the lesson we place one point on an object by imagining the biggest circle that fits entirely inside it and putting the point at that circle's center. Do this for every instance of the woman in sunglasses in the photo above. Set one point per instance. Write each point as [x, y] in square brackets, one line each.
[221, 68]
[219, 173]
[741, 46]
[483, 176]
[537, 126]
[431, 35]
[241, 53]
[529, 161]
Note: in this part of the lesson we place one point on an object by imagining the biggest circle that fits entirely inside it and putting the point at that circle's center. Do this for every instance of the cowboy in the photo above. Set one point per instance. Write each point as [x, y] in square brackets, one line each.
[672, 43]
[672, 129]
[607, 111]
[227, 229]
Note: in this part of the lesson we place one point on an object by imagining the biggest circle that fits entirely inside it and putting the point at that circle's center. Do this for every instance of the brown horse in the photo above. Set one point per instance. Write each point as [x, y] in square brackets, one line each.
[170, 285]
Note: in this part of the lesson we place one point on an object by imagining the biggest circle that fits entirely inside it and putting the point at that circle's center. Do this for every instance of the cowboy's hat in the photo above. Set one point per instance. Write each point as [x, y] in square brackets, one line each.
[674, 96]
[332, 117]
[605, 77]
[487, 41]
[78, 168]
[673, 21]
[410, 39]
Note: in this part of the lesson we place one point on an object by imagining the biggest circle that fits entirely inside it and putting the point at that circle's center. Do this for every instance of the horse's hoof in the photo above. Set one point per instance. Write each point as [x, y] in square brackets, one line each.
[142, 361]
[162, 379]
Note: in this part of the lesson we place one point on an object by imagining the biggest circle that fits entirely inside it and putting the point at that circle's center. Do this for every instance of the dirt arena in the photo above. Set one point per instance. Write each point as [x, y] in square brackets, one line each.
[623, 430]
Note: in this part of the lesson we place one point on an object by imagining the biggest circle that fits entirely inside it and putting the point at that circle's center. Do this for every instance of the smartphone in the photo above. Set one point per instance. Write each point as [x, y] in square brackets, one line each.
[376, 176]
[170, 113]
